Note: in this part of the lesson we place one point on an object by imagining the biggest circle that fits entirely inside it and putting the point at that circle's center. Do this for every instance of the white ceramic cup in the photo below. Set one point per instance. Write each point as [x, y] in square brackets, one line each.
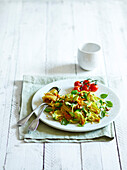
[89, 56]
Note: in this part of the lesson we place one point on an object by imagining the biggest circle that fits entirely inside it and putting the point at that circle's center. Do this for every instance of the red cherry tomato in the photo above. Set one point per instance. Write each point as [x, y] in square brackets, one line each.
[77, 83]
[93, 87]
[86, 82]
[77, 88]
[85, 87]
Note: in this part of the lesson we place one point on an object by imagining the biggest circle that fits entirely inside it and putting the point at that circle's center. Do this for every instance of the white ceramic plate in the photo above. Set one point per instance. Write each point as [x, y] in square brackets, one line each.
[66, 87]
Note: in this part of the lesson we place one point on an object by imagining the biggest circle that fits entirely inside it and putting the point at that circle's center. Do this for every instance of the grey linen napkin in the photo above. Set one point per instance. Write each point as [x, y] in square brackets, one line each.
[45, 133]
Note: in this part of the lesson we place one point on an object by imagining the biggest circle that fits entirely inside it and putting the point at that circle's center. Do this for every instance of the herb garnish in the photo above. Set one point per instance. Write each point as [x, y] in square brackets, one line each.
[103, 96]
[109, 104]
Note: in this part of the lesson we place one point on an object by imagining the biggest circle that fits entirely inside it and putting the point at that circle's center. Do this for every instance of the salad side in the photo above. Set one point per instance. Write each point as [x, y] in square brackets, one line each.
[78, 106]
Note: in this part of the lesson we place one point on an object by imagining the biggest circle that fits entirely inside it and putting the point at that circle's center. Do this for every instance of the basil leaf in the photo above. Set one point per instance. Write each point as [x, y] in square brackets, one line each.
[103, 114]
[48, 109]
[109, 104]
[103, 96]
[64, 121]
[101, 102]
[74, 92]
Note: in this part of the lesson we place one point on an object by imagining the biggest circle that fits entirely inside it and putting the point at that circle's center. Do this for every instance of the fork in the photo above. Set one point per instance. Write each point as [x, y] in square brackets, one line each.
[33, 126]
[26, 118]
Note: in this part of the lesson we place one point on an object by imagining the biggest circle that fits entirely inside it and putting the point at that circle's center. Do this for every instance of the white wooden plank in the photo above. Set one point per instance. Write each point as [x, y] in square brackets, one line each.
[18, 155]
[94, 155]
[113, 34]
[115, 58]
[7, 71]
[61, 59]
[97, 156]
[25, 156]
[62, 156]
[32, 39]
[60, 39]
[109, 155]
[119, 85]
[91, 156]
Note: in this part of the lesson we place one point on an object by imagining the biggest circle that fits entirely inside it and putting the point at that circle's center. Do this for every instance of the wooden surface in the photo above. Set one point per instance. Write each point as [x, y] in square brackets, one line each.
[41, 37]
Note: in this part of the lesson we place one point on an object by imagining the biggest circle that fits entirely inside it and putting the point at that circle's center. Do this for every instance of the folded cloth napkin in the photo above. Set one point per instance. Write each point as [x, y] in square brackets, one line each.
[45, 133]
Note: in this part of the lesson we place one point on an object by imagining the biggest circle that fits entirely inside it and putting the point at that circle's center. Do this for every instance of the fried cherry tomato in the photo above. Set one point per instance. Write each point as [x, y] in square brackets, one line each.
[85, 87]
[77, 88]
[78, 83]
[93, 87]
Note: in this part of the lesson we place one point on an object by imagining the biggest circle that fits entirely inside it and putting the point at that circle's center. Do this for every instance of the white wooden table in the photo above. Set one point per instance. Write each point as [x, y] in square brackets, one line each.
[41, 37]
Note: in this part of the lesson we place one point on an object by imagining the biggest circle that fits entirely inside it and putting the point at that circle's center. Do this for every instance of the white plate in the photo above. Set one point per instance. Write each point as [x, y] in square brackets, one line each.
[66, 87]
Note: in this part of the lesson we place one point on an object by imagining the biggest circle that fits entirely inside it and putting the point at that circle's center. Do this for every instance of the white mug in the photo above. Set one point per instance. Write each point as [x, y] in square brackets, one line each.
[89, 56]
